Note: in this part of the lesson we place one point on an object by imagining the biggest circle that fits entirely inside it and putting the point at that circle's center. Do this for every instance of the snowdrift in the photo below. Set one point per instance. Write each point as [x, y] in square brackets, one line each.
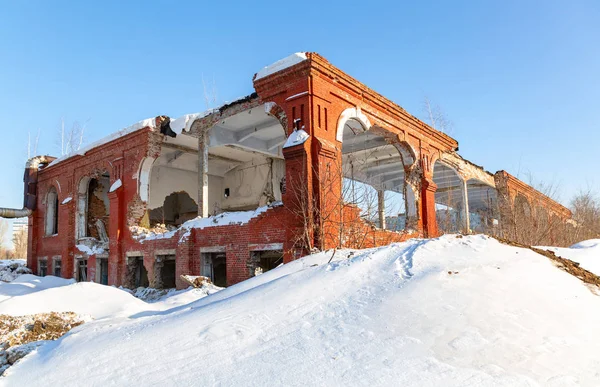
[451, 311]
[586, 253]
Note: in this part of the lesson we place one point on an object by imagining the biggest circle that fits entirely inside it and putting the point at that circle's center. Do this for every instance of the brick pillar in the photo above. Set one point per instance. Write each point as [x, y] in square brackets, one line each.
[298, 199]
[327, 189]
[32, 243]
[115, 236]
[67, 213]
[183, 260]
[428, 214]
[236, 259]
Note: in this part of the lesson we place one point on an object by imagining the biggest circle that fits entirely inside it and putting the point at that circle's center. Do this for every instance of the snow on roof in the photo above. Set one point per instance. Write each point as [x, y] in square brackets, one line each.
[281, 64]
[148, 122]
[223, 219]
[178, 125]
[184, 123]
[296, 138]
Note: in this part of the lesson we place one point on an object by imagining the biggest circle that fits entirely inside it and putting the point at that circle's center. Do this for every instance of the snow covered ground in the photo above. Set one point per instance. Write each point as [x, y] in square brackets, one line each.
[444, 312]
[586, 253]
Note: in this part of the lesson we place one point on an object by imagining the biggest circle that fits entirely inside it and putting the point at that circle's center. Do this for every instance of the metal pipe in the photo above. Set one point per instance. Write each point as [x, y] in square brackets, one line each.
[30, 189]
[14, 212]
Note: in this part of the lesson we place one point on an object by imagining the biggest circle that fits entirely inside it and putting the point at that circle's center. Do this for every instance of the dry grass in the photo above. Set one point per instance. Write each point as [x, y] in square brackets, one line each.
[18, 330]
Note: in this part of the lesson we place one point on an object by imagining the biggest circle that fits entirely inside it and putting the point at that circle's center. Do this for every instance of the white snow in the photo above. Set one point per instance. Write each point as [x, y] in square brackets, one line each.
[296, 138]
[116, 185]
[149, 122]
[281, 64]
[67, 199]
[296, 95]
[586, 253]
[451, 311]
[30, 294]
[184, 123]
[590, 243]
[94, 250]
[223, 219]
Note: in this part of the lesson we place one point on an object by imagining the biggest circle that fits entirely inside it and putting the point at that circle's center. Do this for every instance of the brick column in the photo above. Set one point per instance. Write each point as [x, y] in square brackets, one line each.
[115, 236]
[183, 260]
[298, 199]
[67, 215]
[428, 188]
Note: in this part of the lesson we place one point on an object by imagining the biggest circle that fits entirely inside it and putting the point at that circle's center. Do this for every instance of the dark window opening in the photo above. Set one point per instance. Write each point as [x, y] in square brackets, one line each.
[214, 266]
[137, 275]
[57, 271]
[82, 270]
[103, 263]
[262, 261]
[43, 269]
[164, 272]
[270, 260]
[141, 274]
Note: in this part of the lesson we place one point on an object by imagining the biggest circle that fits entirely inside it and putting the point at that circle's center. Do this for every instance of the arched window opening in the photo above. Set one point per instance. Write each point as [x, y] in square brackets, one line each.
[98, 206]
[52, 212]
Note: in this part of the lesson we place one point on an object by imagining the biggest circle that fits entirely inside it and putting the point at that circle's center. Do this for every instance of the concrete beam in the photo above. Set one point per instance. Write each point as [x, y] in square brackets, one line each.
[203, 175]
[249, 132]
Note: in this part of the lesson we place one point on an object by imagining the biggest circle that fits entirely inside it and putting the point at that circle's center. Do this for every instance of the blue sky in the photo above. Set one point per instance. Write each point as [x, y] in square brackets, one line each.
[520, 80]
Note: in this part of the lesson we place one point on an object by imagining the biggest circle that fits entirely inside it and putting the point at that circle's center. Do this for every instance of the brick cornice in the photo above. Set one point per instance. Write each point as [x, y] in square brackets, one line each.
[316, 65]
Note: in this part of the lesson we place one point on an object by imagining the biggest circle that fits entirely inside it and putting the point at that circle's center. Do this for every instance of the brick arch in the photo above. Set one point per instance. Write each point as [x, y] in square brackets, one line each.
[522, 205]
[143, 180]
[352, 113]
[277, 112]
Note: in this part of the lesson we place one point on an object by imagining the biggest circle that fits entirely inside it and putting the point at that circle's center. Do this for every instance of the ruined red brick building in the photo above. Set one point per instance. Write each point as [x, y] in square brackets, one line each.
[312, 159]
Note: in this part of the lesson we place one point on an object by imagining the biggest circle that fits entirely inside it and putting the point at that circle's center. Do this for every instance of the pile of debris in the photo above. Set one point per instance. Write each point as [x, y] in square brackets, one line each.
[19, 335]
[12, 268]
[160, 229]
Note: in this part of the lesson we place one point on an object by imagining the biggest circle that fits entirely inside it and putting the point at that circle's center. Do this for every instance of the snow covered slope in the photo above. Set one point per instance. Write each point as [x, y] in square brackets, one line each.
[445, 312]
[586, 253]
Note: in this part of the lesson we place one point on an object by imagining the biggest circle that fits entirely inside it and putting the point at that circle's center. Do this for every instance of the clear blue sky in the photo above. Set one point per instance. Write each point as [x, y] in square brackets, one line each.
[519, 79]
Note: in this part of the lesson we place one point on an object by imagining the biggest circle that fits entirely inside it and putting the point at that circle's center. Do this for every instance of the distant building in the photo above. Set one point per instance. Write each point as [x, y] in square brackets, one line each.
[18, 226]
